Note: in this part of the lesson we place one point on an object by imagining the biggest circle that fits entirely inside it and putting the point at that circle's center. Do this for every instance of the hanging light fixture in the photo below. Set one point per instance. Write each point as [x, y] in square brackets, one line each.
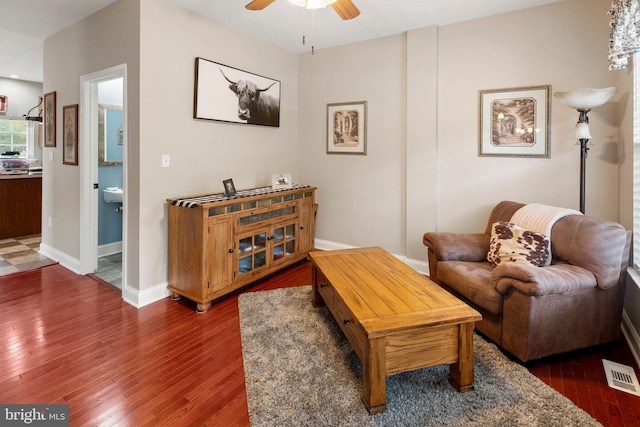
[312, 4]
[37, 118]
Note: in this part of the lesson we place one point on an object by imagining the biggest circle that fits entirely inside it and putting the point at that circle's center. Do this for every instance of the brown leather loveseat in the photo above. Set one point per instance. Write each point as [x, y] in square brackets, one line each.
[536, 311]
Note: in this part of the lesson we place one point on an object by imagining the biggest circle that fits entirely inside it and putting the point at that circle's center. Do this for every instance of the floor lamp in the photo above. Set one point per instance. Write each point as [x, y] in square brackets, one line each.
[584, 100]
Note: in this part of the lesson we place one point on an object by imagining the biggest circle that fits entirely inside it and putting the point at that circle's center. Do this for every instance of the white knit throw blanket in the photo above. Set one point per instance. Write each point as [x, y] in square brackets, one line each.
[541, 218]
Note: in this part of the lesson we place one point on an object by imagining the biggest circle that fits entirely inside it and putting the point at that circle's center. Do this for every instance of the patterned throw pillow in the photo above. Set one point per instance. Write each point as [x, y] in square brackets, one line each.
[510, 243]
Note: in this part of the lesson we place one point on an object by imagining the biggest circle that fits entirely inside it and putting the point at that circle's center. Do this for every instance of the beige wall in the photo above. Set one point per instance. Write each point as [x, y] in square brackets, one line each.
[423, 125]
[107, 38]
[361, 198]
[421, 171]
[546, 45]
[160, 70]
[203, 153]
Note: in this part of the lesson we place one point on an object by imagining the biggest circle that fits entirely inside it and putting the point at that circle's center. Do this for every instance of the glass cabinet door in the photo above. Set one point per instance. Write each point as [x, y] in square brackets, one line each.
[284, 241]
[252, 252]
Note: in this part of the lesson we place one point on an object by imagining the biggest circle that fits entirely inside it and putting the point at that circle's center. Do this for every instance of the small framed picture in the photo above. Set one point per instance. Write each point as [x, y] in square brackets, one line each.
[70, 134]
[347, 128]
[50, 119]
[4, 104]
[514, 122]
[229, 188]
[281, 180]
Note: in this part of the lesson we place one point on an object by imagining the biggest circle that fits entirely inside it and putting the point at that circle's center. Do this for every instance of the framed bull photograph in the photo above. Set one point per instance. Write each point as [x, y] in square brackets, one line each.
[228, 94]
[515, 122]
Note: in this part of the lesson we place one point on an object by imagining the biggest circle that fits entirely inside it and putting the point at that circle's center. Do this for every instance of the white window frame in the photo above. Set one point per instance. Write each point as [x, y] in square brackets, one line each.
[636, 163]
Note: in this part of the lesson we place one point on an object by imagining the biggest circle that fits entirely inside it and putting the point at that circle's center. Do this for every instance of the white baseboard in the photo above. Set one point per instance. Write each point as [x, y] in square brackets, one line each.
[148, 296]
[326, 245]
[109, 249]
[64, 259]
[129, 295]
[632, 337]
[139, 299]
[421, 267]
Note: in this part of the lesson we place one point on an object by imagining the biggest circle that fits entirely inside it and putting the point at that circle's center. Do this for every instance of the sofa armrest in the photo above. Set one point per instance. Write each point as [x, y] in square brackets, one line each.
[540, 281]
[458, 247]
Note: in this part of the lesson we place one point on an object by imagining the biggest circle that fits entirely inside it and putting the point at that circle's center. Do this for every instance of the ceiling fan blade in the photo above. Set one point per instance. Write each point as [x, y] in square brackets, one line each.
[345, 8]
[259, 4]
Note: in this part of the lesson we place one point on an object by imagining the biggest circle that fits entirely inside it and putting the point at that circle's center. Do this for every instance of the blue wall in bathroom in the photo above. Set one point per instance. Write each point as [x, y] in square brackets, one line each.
[109, 221]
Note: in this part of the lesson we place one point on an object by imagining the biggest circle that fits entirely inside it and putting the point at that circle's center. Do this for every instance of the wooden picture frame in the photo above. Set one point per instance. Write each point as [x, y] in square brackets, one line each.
[281, 180]
[229, 188]
[515, 122]
[70, 134]
[49, 119]
[347, 128]
[228, 94]
[4, 104]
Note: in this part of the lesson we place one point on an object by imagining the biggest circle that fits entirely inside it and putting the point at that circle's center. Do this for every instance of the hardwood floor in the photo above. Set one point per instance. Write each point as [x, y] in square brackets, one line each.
[71, 339]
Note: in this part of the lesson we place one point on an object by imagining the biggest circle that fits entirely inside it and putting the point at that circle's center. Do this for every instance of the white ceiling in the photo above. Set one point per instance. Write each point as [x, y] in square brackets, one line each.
[24, 24]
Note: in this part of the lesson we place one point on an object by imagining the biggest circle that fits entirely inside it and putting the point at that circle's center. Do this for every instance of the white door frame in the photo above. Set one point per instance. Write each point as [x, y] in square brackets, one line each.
[89, 167]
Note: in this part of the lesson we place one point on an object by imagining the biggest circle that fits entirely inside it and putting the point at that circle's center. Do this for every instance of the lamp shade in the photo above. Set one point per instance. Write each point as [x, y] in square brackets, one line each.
[582, 131]
[585, 98]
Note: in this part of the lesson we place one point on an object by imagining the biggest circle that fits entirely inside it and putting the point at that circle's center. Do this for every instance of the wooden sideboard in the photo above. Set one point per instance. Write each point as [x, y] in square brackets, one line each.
[219, 244]
[20, 205]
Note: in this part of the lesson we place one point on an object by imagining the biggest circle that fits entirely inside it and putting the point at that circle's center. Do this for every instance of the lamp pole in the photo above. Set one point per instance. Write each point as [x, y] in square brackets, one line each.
[584, 150]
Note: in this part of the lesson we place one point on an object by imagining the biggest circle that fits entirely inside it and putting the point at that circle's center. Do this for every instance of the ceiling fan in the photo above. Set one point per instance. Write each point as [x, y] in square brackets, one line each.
[344, 8]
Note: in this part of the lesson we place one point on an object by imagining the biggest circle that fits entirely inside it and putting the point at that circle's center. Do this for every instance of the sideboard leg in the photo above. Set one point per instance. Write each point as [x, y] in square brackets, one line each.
[203, 307]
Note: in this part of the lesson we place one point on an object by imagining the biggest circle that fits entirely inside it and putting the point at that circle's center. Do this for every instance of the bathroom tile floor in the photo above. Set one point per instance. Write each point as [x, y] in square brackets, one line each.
[21, 254]
[110, 269]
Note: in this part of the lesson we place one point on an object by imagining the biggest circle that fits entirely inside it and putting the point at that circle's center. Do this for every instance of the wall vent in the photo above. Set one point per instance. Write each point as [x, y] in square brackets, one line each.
[621, 377]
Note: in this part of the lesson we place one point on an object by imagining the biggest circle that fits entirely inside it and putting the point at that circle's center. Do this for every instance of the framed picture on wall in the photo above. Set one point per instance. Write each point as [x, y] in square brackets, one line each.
[514, 122]
[347, 128]
[4, 104]
[70, 134]
[49, 119]
[228, 94]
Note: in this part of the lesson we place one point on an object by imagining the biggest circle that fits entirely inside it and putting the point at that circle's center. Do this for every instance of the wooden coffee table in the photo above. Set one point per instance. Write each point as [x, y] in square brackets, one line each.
[395, 319]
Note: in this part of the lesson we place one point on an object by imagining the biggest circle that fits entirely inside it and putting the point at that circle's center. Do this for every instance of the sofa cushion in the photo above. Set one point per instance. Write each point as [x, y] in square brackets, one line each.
[559, 278]
[513, 244]
[593, 244]
[472, 280]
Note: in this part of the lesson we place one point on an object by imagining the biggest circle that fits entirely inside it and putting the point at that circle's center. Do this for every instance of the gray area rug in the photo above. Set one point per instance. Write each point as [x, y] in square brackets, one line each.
[301, 371]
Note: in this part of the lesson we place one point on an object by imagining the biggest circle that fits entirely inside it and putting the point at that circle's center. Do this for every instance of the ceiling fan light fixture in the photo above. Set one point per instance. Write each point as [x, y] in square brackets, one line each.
[312, 4]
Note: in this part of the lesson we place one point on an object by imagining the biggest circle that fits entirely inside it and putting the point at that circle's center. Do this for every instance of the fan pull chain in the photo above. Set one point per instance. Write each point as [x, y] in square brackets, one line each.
[313, 21]
[304, 26]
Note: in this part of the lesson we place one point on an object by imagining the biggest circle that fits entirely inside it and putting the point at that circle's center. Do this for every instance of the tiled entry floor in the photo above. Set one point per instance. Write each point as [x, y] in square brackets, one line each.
[21, 254]
[110, 269]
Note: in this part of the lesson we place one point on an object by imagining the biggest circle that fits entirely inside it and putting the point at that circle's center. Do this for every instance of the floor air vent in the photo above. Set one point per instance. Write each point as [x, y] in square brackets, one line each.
[621, 377]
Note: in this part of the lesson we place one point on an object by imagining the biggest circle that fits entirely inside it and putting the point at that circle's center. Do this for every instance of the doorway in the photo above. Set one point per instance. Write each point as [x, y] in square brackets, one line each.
[104, 216]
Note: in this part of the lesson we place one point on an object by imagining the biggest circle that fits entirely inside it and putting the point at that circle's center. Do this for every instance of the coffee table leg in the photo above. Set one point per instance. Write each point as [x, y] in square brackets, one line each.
[316, 278]
[374, 379]
[461, 373]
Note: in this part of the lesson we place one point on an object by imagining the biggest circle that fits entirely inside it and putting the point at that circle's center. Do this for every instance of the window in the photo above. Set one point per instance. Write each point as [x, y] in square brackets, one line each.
[13, 136]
